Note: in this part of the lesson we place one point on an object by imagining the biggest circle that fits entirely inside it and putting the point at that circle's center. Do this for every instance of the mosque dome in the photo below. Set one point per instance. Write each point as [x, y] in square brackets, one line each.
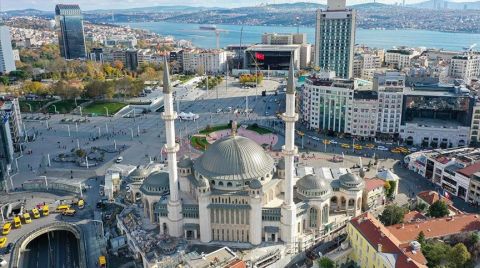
[234, 158]
[313, 186]
[139, 173]
[156, 183]
[350, 180]
[185, 162]
[255, 184]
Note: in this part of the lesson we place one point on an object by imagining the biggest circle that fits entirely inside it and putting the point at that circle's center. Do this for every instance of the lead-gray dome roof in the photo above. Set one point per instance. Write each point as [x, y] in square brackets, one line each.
[139, 173]
[156, 183]
[185, 162]
[255, 184]
[313, 183]
[234, 158]
[350, 180]
[281, 164]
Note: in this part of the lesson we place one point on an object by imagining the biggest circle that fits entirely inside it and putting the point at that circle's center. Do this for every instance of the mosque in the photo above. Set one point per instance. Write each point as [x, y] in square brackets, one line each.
[235, 191]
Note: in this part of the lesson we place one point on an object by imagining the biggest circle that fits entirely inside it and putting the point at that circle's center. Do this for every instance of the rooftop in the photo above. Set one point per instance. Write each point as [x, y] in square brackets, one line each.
[431, 197]
[371, 184]
[365, 95]
[378, 235]
[436, 228]
[273, 48]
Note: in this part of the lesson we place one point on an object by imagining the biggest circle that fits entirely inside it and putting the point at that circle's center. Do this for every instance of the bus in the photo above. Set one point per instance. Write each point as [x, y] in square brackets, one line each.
[27, 218]
[36, 214]
[6, 228]
[81, 204]
[45, 210]
[102, 262]
[69, 212]
[17, 222]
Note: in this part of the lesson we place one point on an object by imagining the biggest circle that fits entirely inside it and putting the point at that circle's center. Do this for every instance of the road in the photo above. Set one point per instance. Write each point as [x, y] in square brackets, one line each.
[57, 249]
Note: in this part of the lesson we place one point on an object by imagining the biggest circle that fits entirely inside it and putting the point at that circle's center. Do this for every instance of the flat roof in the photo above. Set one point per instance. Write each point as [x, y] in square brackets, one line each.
[273, 48]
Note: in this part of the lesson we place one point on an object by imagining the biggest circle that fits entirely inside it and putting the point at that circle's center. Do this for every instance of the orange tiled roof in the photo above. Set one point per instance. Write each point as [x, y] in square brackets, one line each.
[373, 183]
[377, 234]
[413, 216]
[436, 228]
[431, 197]
[468, 171]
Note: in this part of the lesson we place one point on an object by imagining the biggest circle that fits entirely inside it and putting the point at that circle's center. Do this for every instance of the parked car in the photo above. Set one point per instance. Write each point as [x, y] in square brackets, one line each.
[382, 148]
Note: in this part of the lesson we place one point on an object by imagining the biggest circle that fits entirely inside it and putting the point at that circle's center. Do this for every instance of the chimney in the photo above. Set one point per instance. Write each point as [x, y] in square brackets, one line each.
[403, 226]
[379, 247]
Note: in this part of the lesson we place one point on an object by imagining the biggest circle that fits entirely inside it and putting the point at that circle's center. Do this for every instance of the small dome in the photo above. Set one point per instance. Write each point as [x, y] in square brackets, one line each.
[185, 162]
[139, 173]
[281, 164]
[350, 180]
[203, 183]
[156, 183]
[313, 183]
[255, 184]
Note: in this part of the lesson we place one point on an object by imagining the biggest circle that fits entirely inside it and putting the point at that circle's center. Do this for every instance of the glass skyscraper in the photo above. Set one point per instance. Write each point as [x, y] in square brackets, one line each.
[335, 38]
[71, 38]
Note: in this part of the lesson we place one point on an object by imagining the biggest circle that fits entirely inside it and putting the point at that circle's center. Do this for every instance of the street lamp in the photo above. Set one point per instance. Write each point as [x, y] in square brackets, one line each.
[80, 188]
[106, 109]
[80, 107]
[55, 108]
[29, 106]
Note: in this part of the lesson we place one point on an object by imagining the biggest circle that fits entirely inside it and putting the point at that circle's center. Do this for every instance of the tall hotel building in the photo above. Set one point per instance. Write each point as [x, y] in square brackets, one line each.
[335, 38]
[71, 37]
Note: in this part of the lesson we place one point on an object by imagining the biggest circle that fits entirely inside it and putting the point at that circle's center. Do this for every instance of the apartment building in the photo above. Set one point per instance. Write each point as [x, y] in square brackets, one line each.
[325, 101]
[399, 58]
[362, 120]
[204, 61]
[466, 66]
[389, 87]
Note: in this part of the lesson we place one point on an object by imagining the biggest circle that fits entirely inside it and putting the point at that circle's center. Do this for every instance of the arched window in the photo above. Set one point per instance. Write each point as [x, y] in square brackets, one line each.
[313, 217]
[212, 182]
[220, 183]
[325, 215]
[229, 184]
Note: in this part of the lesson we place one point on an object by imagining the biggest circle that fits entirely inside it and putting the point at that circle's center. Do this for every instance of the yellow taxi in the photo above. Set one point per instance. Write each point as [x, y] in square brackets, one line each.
[27, 218]
[3, 241]
[326, 142]
[62, 208]
[36, 214]
[45, 210]
[344, 145]
[357, 147]
[17, 222]
[6, 228]
[370, 146]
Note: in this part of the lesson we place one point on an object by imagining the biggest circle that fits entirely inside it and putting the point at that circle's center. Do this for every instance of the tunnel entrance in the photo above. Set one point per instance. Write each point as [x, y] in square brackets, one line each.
[55, 249]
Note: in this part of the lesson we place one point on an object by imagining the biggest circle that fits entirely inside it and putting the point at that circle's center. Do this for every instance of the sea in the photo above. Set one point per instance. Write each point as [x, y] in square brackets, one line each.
[376, 38]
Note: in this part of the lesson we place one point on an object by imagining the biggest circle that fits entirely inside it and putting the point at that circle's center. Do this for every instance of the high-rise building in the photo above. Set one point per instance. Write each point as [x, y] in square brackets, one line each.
[335, 38]
[466, 66]
[7, 63]
[325, 101]
[390, 86]
[71, 37]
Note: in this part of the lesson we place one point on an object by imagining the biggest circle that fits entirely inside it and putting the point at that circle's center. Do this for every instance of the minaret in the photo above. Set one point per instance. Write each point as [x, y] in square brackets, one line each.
[289, 226]
[174, 206]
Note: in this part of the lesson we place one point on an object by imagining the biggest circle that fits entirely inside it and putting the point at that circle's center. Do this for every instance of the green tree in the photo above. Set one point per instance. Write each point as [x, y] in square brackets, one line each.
[99, 89]
[435, 252]
[438, 209]
[392, 214]
[421, 238]
[325, 262]
[459, 255]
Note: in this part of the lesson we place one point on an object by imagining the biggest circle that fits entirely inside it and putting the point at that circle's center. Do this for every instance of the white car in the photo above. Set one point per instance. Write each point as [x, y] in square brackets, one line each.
[413, 149]
[382, 148]
[3, 263]
[333, 142]
[219, 110]
[119, 159]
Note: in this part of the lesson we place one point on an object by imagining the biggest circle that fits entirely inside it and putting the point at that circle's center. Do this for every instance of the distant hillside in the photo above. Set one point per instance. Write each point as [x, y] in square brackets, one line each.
[29, 12]
[450, 5]
[153, 9]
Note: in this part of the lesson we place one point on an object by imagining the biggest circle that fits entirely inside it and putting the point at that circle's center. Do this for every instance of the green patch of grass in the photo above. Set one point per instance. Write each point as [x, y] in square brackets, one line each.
[199, 143]
[209, 130]
[185, 78]
[259, 130]
[64, 106]
[36, 105]
[98, 108]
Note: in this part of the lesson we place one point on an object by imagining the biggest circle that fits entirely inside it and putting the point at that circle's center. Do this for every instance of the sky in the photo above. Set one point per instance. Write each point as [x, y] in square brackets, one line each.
[118, 4]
